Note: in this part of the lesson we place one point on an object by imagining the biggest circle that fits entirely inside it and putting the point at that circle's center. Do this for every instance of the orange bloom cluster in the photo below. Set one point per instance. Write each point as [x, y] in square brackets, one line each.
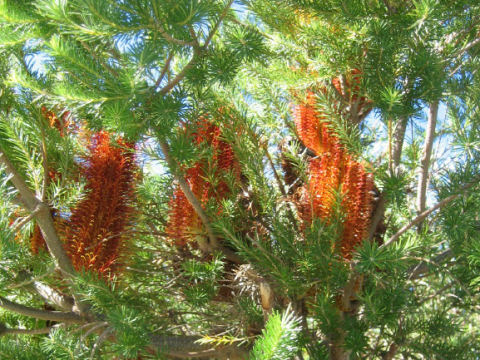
[333, 170]
[183, 222]
[61, 124]
[94, 235]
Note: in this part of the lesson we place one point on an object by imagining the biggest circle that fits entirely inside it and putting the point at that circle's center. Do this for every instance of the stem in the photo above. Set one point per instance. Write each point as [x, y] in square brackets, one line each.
[181, 74]
[164, 70]
[377, 216]
[192, 199]
[62, 301]
[6, 331]
[212, 241]
[424, 214]
[425, 161]
[392, 350]
[65, 317]
[42, 215]
[44, 221]
[420, 269]
[24, 221]
[397, 138]
[197, 51]
[215, 28]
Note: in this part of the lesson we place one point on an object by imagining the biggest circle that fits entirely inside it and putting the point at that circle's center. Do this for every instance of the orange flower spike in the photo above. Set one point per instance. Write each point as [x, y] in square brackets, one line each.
[37, 241]
[97, 222]
[308, 124]
[181, 227]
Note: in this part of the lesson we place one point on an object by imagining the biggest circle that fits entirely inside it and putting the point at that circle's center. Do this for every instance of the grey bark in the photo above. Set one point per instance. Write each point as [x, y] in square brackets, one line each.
[64, 317]
[427, 153]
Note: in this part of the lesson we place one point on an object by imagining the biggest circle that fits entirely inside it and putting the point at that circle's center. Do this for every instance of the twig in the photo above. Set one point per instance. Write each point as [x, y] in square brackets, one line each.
[212, 242]
[174, 40]
[7, 331]
[467, 47]
[100, 341]
[438, 292]
[66, 317]
[45, 167]
[24, 221]
[91, 330]
[181, 74]
[216, 26]
[62, 301]
[197, 51]
[99, 59]
[425, 161]
[420, 269]
[192, 199]
[42, 215]
[377, 216]
[424, 214]
[164, 70]
[397, 141]
[187, 347]
[44, 220]
[279, 181]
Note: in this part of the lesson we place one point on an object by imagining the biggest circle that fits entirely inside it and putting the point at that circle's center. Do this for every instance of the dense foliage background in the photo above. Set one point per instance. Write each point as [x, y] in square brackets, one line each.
[239, 179]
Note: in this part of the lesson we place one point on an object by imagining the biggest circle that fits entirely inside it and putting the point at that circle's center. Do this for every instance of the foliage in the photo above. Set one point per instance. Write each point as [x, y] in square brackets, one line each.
[239, 179]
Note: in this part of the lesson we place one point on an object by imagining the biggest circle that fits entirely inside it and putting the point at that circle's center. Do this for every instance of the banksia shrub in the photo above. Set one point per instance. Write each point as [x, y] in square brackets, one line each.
[95, 233]
[183, 222]
[332, 171]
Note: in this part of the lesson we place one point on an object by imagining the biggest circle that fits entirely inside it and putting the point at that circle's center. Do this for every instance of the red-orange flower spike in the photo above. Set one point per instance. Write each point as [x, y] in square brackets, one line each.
[333, 170]
[37, 241]
[54, 121]
[357, 202]
[94, 234]
[183, 221]
[308, 124]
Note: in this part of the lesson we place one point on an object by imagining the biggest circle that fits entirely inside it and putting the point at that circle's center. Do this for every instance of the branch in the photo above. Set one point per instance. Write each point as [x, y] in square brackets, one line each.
[397, 139]
[420, 269]
[420, 218]
[164, 70]
[7, 331]
[392, 350]
[24, 221]
[197, 206]
[45, 167]
[187, 347]
[44, 221]
[216, 26]
[46, 292]
[424, 214]
[467, 47]
[179, 77]
[42, 215]
[435, 294]
[377, 216]
[174, 40]
[427, 153]
[197, 51]
[192, 199]
[62, 301]
[65, 317]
